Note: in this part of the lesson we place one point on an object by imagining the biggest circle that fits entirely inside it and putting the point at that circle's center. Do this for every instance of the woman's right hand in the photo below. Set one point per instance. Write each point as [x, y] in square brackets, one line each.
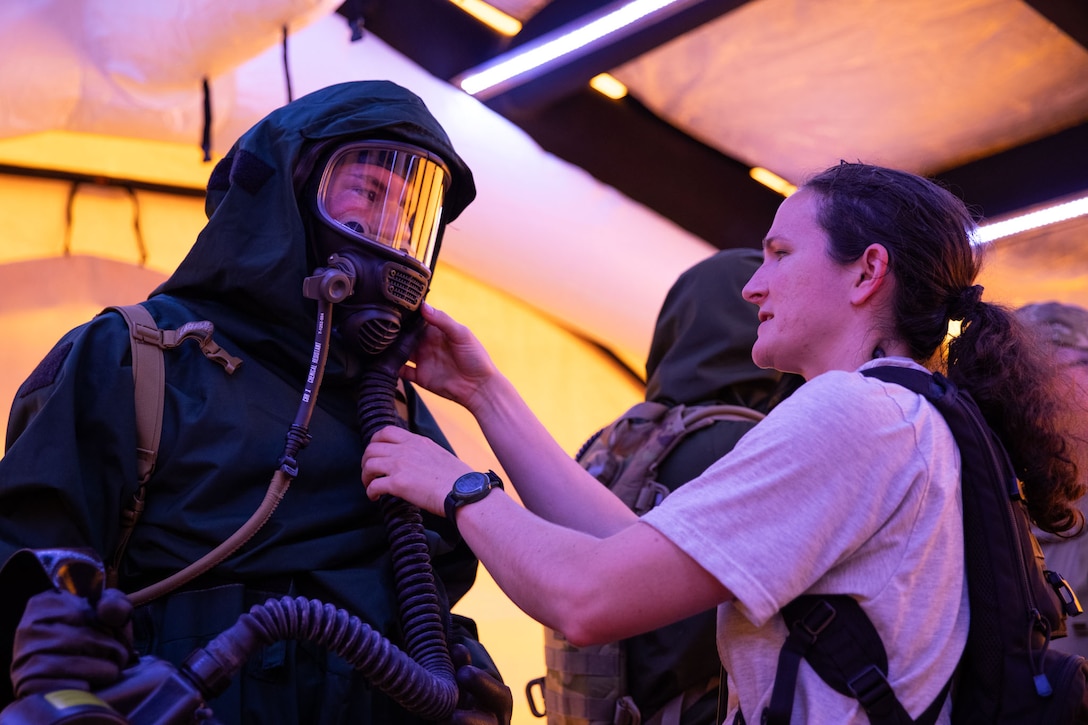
[449, 360]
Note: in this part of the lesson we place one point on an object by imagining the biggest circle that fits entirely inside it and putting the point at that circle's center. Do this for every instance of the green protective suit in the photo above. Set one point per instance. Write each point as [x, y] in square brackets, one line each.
[70, 465]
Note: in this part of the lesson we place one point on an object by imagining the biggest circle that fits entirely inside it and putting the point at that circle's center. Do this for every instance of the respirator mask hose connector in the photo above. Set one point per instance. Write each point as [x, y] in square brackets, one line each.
[333, 284]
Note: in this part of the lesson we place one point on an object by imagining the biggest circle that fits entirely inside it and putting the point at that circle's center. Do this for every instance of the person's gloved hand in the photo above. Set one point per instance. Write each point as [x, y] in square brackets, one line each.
[62, 642]
[484, 699]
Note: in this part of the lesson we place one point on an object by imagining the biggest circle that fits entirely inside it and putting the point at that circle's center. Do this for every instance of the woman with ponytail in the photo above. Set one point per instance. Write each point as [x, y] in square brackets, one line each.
[994, 357]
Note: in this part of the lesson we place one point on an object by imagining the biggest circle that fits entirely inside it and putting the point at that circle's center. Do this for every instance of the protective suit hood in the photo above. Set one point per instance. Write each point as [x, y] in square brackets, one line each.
[701, 350]
[246, 269]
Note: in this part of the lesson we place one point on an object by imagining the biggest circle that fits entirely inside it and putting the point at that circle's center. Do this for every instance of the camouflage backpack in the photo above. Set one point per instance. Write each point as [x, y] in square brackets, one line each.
[588, 685]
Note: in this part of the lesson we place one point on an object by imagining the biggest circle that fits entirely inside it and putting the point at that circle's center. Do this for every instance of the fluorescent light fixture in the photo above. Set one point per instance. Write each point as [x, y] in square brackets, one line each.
[608, 85]
[1047, 215]
[569, 42]
[490, 16]
[772, 180]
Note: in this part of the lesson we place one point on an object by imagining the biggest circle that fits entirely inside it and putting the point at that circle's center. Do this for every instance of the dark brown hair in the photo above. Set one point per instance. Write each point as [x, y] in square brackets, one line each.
[927, 231]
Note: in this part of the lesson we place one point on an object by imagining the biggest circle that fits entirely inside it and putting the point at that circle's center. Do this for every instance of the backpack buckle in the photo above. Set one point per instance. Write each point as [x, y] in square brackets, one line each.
[1068, 597]
[872, 690]
[816, 620]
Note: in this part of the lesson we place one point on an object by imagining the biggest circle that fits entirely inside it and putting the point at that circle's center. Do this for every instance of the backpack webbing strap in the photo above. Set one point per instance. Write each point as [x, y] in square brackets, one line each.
[591, 684]
[149, 383]
[672, 712]
[696, 418]
[147, 342]
[579, 662]
[582, 707]
[625, 454]
[149, 380]
[840, 643]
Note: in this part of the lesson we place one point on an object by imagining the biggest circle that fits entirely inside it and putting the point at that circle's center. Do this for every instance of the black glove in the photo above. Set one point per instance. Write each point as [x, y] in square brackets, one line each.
[63, 642]
[484, 699]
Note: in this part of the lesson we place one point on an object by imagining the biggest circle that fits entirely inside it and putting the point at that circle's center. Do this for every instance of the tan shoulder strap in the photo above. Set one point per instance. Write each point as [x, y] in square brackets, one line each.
[149, 383]
[149, 380]
[720, 411]
[626, 454]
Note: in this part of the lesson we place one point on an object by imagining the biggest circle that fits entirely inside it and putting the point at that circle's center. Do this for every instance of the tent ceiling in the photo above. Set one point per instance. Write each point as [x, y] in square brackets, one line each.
[990, 95]
[589, 208]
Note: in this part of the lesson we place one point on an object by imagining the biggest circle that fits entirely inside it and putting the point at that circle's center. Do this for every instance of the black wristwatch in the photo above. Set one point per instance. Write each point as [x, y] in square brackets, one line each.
[469, 488]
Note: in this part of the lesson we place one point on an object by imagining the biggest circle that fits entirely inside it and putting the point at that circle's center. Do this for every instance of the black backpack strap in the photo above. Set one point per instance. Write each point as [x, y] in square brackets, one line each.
[841, 645]
[1016, 608]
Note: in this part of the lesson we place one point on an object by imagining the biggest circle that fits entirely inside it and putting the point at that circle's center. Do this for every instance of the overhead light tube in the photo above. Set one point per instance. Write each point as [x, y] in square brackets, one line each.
[564, 44]
[608, 85]
[1051, 214]
[772, 180]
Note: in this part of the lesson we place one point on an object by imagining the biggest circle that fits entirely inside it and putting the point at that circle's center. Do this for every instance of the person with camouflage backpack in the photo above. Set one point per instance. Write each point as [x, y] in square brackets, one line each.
[703, 392]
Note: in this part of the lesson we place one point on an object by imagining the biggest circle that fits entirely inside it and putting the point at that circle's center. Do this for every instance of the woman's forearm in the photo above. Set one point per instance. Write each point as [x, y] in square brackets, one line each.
[451, 362]
[549, 482]
[591, 589]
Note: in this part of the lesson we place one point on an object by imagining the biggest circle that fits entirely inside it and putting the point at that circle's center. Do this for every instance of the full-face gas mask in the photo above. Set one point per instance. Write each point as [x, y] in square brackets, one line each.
[379, 209]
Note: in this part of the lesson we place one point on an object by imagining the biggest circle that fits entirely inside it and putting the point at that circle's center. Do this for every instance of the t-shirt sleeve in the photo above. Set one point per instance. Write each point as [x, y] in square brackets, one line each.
[801, 493]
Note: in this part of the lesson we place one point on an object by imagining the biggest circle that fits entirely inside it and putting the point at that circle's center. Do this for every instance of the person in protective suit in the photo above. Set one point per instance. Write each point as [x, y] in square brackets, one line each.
[357, 182]
[700, 354]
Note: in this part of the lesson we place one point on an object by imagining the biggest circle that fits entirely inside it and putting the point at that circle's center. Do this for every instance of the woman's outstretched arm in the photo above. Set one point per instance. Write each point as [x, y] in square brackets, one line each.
[593, 589]
[451, 362]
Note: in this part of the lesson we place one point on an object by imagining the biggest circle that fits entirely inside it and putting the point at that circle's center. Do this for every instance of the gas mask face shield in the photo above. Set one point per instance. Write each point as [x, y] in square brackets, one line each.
[379, 210]
[385, 195]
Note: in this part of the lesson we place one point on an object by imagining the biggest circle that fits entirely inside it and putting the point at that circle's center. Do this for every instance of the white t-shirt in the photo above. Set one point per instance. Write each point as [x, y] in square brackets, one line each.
[850, 486]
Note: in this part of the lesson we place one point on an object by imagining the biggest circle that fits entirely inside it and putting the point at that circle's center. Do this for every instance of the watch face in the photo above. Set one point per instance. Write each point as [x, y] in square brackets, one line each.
[471, 483]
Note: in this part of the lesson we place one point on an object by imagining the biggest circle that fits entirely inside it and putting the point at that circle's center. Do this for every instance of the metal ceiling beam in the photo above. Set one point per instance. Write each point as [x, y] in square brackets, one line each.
[436, 34]
[1025, 176]
[623, 144]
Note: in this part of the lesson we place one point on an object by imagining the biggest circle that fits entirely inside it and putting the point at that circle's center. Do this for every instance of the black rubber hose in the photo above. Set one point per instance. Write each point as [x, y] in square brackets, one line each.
[420, 678]
[422, 616]
[389, 669]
